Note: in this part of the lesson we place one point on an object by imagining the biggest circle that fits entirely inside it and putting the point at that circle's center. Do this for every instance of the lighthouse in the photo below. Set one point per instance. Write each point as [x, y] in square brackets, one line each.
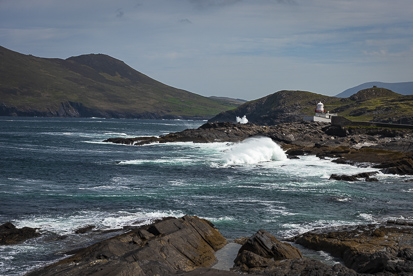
[320, 115]
[319, 108]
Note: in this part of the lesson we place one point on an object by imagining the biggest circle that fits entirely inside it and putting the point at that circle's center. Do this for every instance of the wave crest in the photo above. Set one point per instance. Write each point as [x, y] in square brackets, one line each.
[254, 150]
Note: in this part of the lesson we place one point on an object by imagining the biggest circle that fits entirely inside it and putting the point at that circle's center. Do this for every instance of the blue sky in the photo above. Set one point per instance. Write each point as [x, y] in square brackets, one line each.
[235, 48]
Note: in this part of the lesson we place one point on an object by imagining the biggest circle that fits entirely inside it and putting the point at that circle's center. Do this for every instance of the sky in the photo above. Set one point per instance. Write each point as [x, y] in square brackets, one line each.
[244, 49]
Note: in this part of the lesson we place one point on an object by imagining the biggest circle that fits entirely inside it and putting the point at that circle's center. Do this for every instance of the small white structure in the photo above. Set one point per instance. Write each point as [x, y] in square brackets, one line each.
[319, 108]
[320, 115]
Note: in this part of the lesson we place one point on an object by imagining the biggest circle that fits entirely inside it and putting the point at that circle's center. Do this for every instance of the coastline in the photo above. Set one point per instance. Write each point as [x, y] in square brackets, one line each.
[194, 246]
[321, 150]
[388, 150]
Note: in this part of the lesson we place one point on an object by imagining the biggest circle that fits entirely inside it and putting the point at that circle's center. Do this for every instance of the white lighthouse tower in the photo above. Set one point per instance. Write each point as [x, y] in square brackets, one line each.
[320, 115]
[319, 108]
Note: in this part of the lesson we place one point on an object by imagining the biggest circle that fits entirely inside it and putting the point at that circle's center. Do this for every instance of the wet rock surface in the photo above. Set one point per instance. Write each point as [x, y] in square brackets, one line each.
[383, 249]
[263, 254]
[10, 234]
[355, 177]
[187, 246]
[166, 247]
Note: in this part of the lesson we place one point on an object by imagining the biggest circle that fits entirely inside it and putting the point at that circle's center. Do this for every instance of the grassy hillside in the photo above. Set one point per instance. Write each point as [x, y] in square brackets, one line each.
[373, 104]
[96, 85]
[377, 105]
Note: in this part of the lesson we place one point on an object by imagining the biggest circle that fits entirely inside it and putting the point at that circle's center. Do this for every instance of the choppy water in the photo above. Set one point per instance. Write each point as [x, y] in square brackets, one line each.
[56, 174]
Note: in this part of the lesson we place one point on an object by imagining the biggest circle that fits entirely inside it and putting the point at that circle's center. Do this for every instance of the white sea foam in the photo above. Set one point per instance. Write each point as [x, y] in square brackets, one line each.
[368, 217]
[102, 220]
[171, 161]
[312, 166]
[242, 120]
[293, 229]
[253, 151]
[220, 219]
[105, 187]
[116, 133]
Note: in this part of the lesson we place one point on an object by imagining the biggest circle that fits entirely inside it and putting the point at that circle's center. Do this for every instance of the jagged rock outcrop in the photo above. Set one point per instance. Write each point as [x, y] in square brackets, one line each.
[10, 234]
[163, 248]
[263, 254]
[355, 177]
[207, 133]
[262, 250]
[385, 248]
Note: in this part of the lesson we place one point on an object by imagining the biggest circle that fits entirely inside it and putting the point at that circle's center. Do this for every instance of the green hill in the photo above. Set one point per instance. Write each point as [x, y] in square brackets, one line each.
[372, 105]
[92, 85]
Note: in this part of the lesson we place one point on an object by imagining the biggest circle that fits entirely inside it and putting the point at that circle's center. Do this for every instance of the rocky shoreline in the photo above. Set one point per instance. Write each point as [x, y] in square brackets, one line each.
[389, 150]
[188, 246]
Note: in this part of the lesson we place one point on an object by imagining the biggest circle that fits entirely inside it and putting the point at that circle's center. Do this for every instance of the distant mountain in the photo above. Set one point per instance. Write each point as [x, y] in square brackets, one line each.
[403, 88]
[92, 85]
[374, 104]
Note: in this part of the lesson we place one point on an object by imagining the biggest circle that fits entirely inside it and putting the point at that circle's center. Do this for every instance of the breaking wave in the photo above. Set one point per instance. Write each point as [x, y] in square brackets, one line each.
[254, 150]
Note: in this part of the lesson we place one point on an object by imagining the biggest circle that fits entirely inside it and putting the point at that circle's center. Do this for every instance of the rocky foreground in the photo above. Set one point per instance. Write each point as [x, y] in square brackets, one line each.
[187, 246]
[389, 149]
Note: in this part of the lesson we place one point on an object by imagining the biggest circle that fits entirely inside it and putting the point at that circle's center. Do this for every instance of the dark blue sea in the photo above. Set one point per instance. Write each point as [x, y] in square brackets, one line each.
[57, 175]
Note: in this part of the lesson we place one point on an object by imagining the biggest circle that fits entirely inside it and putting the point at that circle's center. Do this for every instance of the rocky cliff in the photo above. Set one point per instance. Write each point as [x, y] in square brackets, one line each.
[166, 247]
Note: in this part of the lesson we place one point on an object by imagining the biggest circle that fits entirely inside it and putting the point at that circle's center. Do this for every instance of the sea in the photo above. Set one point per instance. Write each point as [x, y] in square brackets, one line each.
[57, 175]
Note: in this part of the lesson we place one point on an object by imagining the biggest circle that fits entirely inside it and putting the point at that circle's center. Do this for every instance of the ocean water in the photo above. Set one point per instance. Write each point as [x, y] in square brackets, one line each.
[57, 175]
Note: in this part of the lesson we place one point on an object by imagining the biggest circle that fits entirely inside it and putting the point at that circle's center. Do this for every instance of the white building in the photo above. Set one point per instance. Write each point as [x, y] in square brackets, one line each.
[320, 115]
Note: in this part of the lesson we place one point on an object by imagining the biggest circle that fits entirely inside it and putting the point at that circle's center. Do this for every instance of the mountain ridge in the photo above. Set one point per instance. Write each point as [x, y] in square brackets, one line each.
[94, 85]
[403, 88]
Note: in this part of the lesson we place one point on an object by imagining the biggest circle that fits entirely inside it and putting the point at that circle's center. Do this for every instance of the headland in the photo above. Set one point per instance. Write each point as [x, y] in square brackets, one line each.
[389, 149]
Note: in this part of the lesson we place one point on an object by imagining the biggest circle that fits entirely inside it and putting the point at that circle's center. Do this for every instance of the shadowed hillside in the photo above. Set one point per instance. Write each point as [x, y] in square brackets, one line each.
[374, 104]
[92, 85]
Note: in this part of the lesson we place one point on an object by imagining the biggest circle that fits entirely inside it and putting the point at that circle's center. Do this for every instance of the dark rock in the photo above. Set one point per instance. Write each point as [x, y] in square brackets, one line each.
[335, 131]
[85, 229]
[163, 248]
[344, 177]
[401, 167]
[385, 248]
[365, 174]
[266, 245]
[9, 234]
[295, 152]
[293, 157]
[261, 252]
[250, 262]
[309, 267]
[355, 177]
